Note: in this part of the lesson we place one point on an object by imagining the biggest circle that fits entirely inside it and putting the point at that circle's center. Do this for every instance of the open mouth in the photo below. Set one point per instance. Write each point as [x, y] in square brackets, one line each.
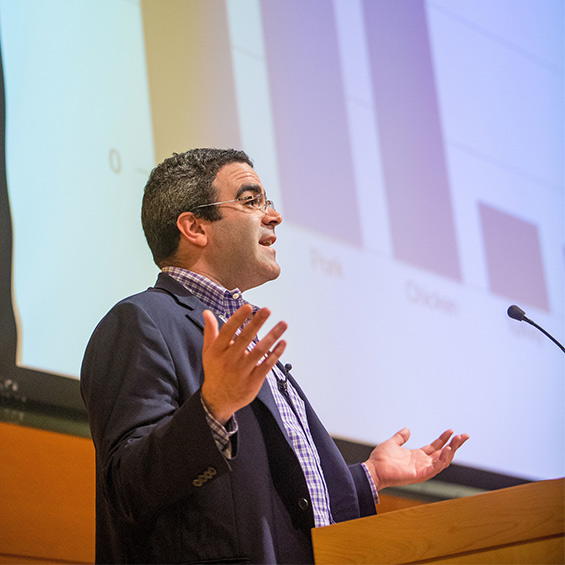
[268, 241]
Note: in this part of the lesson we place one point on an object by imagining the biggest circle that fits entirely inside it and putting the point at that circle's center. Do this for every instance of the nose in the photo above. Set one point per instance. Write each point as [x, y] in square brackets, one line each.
[272, 217]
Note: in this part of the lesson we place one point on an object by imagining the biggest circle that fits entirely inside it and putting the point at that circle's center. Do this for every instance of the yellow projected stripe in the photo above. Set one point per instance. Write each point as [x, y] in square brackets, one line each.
[190, 75]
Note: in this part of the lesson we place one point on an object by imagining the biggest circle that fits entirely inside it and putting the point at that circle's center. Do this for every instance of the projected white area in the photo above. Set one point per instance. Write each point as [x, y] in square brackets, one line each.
[417, 158]
[79, 147]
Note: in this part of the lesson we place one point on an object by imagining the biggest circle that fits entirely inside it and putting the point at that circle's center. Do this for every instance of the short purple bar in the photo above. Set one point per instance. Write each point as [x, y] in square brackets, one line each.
[513, 254]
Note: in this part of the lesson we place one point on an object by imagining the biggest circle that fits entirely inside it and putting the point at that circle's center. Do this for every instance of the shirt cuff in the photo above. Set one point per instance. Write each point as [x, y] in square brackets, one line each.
[371, 483]
[221, 434]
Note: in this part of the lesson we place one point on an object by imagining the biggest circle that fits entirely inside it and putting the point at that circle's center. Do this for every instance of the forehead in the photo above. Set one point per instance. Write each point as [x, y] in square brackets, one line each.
[234, 177]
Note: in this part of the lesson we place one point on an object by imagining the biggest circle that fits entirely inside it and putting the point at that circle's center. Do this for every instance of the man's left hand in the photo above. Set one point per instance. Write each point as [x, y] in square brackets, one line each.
[391, 464]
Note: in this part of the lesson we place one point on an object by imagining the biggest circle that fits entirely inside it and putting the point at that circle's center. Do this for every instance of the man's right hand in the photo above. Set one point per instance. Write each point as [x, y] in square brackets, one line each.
[233, 375]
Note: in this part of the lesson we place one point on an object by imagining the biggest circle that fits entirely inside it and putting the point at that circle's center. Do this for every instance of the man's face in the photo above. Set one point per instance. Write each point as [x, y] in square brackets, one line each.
[241, 253]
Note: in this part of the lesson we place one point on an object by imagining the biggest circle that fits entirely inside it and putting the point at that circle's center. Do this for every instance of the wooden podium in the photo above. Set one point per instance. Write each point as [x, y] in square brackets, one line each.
[523, 524]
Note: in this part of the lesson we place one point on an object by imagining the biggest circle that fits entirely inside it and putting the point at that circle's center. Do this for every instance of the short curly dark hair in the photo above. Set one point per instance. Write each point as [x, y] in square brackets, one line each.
[177, 185]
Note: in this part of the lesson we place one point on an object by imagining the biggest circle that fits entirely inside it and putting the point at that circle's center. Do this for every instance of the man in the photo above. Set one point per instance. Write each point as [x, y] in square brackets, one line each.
[206, 448]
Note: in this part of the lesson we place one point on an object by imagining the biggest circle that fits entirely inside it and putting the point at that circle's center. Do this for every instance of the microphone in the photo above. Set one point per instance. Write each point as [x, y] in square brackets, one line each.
[516, 313]
[283, 383]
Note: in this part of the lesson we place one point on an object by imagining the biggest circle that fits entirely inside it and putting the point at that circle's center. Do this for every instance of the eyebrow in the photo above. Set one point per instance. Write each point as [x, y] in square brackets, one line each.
[255, 188]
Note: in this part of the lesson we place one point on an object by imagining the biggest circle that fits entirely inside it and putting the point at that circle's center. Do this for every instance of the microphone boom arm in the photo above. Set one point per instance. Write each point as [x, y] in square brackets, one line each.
[517, 313]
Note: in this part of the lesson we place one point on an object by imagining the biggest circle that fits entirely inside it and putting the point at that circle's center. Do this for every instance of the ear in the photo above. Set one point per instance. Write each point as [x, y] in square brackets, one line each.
[192, 229]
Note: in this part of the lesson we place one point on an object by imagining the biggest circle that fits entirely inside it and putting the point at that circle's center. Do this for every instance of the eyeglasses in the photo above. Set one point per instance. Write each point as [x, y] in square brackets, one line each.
[253, 202]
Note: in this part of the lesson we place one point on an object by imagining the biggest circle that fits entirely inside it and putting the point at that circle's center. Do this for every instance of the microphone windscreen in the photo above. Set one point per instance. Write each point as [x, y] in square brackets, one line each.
[516, 312]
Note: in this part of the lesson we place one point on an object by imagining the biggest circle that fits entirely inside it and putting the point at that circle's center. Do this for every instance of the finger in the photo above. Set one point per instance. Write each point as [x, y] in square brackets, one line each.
[249, 331]
[210, 328]
[257, 374]
[445, 458]
[458, 441]
[269, 361]
[401, 437]
[448, 452]
[262, 347]
[438, 444]
[229, 329]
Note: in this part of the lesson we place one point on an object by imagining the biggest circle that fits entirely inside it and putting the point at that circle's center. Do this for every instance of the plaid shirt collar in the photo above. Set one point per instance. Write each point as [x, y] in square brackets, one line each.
[221, 301]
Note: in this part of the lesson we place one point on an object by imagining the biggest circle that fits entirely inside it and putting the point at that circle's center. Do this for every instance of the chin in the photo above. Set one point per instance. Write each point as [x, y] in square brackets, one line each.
[276, 272]
[263, 278]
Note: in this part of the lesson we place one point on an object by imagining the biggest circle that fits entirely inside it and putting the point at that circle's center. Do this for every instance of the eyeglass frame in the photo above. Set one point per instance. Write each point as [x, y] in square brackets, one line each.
[264, 208]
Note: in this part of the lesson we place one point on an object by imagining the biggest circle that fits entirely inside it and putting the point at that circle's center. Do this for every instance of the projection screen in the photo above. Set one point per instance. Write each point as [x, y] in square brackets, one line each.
[415, 150]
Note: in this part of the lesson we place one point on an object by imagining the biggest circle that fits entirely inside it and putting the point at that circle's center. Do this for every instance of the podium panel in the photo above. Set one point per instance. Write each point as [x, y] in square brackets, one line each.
[522, 524]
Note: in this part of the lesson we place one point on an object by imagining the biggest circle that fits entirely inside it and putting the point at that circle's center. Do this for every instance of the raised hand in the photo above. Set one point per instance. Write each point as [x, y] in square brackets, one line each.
[233, 375]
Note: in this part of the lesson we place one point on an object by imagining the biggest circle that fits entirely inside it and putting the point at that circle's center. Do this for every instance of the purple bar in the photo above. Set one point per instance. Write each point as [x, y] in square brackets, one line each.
[514, 263]
[408, 121]
[311, 134]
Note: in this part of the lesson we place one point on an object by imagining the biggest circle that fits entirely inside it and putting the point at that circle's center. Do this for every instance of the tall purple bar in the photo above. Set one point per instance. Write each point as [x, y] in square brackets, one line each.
[311, 134]
[513, 254]
[411, 139]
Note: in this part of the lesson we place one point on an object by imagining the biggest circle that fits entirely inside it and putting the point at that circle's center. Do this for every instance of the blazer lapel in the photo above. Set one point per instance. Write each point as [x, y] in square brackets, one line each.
[183, 297]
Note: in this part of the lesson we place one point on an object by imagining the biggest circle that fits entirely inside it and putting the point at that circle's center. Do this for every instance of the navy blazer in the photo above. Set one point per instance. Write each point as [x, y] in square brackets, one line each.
[164, 492]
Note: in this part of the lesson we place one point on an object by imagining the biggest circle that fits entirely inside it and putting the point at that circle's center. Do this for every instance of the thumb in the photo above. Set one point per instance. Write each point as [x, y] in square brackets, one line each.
[401, 437]
[210, 328]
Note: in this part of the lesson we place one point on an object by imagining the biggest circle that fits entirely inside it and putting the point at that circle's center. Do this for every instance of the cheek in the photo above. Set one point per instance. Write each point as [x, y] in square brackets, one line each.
[242, 243]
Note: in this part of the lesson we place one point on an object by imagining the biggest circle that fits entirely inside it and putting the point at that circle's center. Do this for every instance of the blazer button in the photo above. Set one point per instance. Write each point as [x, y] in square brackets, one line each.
[303, 504]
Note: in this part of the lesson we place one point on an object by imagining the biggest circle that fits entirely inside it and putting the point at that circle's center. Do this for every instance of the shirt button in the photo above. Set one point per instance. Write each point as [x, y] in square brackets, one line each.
[235, 295]
[303, 504]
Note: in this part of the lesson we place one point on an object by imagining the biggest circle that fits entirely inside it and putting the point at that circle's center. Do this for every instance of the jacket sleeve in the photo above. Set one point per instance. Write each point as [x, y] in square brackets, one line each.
[153, 443]
[367, 502]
